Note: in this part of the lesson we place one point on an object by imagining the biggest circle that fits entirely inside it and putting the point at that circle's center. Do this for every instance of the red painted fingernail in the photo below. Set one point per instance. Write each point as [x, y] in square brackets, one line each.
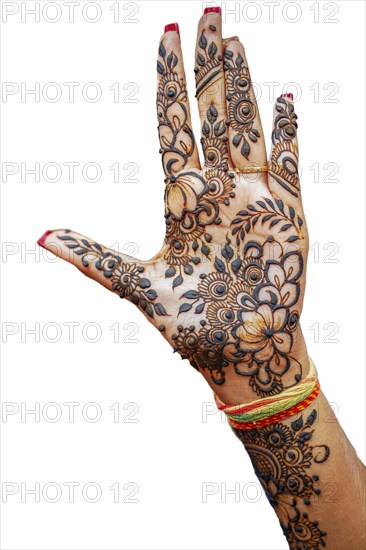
[290, 96]
[42, 240]
[172, 27]
[213, 9]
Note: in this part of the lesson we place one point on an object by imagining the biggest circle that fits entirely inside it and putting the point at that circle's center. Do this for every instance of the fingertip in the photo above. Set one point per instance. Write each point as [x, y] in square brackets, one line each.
[212, 9]
[41, 241]
[211, 19]
[172, 27]
[288, 96]
[170, 39]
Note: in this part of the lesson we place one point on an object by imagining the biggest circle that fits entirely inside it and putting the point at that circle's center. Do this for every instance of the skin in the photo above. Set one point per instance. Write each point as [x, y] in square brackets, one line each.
[227, 288]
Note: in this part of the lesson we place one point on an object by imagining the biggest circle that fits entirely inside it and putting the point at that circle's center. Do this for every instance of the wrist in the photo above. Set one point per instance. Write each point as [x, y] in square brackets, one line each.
[256, 381]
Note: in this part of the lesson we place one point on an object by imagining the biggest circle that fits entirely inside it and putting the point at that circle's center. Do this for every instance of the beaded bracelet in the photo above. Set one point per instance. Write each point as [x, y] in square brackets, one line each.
[262, 412]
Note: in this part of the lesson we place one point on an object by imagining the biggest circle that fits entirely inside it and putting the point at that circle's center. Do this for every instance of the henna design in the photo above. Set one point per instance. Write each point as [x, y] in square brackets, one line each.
[247, 308]
[125, 277]
[282, 457]
[201, 352]
[250, 307]
[208, 66]
[284, 157]
[267, 210]
[192, 201]
[242, 110]
[192, 204]
[176, 136]
[214, 140]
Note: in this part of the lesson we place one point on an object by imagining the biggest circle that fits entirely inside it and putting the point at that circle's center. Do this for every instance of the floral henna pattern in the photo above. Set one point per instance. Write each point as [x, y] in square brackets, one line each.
[241, 107]
[126, 278]
[243, 311]
[284, 158]
[192, 205]
[250, 316]
[250, 304]
[192, 200]
[282, 457]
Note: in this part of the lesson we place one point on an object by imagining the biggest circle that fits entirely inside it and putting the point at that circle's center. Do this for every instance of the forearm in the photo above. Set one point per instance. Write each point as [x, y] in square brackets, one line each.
[312, 477]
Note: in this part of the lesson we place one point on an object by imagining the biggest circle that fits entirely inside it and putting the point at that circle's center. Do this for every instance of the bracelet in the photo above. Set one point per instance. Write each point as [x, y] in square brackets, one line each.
[262, 412]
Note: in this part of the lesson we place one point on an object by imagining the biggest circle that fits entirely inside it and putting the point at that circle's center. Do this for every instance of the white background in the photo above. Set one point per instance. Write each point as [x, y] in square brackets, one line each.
[172, 449]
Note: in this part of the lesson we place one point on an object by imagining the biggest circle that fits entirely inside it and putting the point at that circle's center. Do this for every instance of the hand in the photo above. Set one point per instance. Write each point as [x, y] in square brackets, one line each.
[226, 289]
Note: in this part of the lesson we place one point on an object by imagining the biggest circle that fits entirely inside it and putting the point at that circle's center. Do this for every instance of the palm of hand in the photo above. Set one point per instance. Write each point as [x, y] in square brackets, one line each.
[226, 289]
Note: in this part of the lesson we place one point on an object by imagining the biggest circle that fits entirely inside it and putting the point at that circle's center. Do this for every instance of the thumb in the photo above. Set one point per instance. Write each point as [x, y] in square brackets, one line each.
[128, 277]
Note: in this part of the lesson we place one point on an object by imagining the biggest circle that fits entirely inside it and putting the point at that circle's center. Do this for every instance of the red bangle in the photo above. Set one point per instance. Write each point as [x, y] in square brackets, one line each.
[278, 416]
